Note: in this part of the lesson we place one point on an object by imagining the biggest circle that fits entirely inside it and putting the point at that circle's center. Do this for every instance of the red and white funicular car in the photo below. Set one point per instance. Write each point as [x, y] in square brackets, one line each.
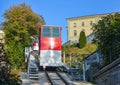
[50, 46]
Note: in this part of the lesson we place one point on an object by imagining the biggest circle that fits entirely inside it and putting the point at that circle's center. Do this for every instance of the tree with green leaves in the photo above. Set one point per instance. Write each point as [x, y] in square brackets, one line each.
[107, 36]
[20, 24]
[6, 76]
[82, 39]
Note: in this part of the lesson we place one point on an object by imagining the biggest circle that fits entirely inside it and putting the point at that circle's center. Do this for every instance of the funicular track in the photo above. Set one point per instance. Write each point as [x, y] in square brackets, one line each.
[55, 78]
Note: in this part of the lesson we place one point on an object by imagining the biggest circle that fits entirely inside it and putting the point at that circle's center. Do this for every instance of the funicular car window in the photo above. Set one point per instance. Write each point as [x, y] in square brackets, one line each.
[55, 32]
[46, 32]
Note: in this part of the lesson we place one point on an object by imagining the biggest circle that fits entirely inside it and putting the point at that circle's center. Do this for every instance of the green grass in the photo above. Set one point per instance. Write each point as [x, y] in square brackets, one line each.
[73, 49]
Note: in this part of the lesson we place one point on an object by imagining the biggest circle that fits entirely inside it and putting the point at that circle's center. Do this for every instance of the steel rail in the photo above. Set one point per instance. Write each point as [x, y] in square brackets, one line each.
[56, 78]
[66, 83]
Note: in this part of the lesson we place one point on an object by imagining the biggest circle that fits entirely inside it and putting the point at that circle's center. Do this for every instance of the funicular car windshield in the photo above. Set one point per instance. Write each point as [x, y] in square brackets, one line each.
[55, 32]
[50, 32]
[46, 32]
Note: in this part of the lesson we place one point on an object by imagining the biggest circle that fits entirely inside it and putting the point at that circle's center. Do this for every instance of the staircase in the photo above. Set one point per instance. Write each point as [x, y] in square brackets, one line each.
[75, 74]
[32, 66]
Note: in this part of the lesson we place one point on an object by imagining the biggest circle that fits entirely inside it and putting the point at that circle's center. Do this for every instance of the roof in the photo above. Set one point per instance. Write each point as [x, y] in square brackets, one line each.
[90, 55]
[95, 15]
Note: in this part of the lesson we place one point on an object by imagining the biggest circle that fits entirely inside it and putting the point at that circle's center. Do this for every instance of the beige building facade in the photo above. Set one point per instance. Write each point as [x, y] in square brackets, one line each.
[77, 24]
[2, 36]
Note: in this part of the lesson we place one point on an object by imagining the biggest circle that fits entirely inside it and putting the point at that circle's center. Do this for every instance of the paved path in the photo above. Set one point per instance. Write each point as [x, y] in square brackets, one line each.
[41, 81]
[25, 79]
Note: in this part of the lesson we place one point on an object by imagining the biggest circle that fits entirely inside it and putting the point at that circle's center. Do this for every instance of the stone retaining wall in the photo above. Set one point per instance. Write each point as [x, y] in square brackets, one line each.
[109, 75]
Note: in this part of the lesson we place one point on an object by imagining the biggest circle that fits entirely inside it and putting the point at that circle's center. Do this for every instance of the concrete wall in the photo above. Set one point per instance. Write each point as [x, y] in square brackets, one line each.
[91, 65]
[109, 75]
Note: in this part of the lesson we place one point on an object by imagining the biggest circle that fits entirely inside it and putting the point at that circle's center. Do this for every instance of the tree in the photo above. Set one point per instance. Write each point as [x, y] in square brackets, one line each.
[107, 35]
[6, 77]
[20, 24]
[82, 39]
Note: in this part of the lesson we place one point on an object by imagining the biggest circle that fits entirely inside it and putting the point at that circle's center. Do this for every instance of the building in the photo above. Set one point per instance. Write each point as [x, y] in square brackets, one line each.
[2, 36]
[77, 24]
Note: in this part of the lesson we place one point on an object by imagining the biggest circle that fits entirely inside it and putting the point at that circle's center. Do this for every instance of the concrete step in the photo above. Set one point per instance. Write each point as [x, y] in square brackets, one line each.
[34, 76]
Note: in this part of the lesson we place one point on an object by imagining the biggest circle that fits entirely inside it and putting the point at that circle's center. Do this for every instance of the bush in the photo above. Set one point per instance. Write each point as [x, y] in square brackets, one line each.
[82, 40]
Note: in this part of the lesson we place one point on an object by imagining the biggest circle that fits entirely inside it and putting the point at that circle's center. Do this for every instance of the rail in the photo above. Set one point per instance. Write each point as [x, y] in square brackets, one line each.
[55, 78]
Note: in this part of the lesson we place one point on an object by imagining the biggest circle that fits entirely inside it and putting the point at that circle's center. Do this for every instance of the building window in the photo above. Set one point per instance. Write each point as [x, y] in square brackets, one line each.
[91, 23]
[75, 33]
[74, 24]
[83, 24]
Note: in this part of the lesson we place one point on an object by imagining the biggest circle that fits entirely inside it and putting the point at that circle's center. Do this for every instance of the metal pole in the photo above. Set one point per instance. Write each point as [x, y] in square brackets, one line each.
[70, 61]
[84, 79]
[77, 62]
[64, 57]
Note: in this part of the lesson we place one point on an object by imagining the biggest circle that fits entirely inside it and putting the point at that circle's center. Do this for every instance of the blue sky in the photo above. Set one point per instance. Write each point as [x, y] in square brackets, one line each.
[55, 12]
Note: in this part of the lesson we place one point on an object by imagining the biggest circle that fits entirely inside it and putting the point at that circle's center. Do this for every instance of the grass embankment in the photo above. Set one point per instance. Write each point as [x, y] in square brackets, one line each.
[82, 53]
